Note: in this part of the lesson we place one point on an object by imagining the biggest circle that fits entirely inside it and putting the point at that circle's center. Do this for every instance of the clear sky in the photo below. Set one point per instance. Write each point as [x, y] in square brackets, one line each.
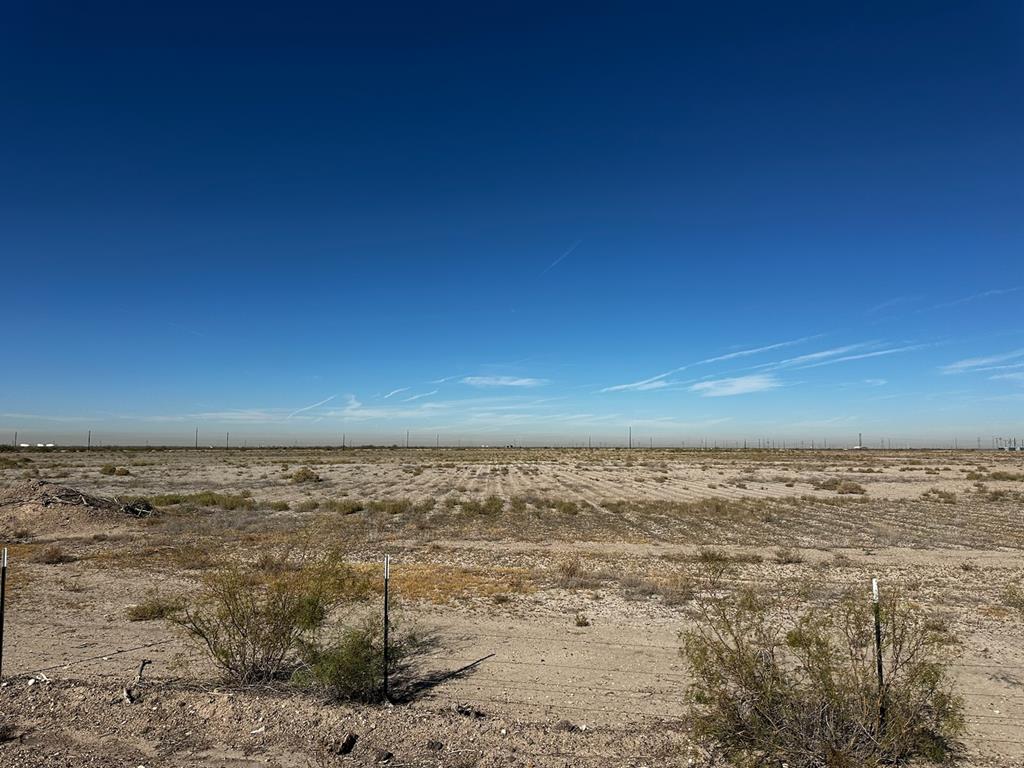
[512, 222]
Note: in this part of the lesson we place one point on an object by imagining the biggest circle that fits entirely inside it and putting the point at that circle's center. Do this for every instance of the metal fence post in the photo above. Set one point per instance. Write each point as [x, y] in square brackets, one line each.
[3, 606]
[387, 578]
[876, 604]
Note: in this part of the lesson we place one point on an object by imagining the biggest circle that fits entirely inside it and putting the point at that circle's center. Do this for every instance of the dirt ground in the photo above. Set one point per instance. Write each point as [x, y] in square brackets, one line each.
[552, 583]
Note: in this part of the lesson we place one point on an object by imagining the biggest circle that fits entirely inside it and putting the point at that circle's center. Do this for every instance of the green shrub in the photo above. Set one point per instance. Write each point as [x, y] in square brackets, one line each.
[227, 501]
[804, 691]
[253, 622]
[351, 667]
[108, 469]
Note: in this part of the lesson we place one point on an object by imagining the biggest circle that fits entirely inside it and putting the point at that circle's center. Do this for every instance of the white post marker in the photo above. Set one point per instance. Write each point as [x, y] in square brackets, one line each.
[874, 590]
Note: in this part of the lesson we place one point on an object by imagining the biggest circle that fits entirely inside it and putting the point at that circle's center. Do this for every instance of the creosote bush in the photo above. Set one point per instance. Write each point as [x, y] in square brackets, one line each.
[801, 689]
[254, 620]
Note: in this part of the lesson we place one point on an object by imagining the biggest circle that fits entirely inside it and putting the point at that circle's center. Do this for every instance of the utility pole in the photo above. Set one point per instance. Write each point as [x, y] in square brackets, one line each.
[88, 441]
[630, 437]
[197, 437]
[227, 439]
[407, 438]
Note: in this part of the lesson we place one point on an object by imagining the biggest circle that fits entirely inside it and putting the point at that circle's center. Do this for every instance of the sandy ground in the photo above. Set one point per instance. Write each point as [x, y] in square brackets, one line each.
[527, 684]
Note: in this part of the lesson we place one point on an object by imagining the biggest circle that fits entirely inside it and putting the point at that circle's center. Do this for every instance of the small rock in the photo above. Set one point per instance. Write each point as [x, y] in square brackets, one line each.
[348, 744]
[434, 745]
[383, 756]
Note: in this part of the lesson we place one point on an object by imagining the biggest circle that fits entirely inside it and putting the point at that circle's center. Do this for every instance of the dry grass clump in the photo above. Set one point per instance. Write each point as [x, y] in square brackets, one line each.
[305, 475]
[1013, 598]
[155, 606]
[110, 469]
[773, 687]
[53, 554]
[397, 506]
[939, 495]
[788, 556]
[492, 505]
[840, 486]
[714, 556]
[573, 573]
[1003, 475]
[440, 584]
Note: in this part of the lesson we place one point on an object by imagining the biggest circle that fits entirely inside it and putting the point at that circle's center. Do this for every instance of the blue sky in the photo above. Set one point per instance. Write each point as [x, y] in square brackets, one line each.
[530, 223]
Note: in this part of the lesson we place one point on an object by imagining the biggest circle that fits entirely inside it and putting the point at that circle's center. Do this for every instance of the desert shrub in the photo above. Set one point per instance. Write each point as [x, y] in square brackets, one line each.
[108, 469]
[581, 620]
[1013, 597]
[391, 506]
[492, 505]
[155, 606]
[351, 667]
[1003, 475]
[305, 475]
[53, 554]
[342, 506]
[714, 556]
[573, 573]
[788, 556]
[279, 506]
[253, 622]
[840, 486]
[122, 471]
[939, 495]
[227, 501]
[772, 688]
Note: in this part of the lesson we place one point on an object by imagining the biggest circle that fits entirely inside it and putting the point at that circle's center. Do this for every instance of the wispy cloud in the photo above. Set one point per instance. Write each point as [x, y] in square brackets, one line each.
[897, 301]
[1014, 377]
[658, 382]
[311, 407]
[977, 296]
[398, 391]
[980, 363]
[866, 355]
[503, 381]
[739, 385]
[876, 382]
[812, 357]
[417, 397]
[41, 417]
[558, 261]
[655, 382]
[753, 351]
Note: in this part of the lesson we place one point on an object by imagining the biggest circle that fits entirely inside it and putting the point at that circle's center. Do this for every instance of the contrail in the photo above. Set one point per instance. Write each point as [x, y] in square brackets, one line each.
[558, 261]
[311, 407]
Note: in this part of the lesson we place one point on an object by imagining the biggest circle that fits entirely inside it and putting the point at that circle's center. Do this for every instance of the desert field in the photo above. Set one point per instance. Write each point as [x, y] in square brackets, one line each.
[552, 586]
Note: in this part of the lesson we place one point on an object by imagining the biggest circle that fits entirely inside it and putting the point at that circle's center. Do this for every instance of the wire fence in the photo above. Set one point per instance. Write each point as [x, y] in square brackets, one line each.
[633, 681]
